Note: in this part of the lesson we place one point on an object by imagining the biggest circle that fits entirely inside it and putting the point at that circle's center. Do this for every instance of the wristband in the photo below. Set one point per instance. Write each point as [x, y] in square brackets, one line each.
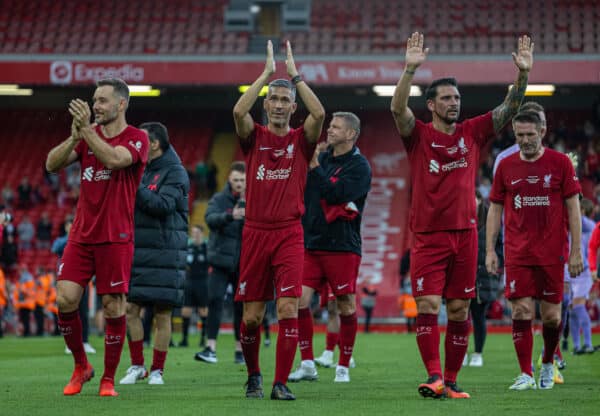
[296, 79]
[408, 71]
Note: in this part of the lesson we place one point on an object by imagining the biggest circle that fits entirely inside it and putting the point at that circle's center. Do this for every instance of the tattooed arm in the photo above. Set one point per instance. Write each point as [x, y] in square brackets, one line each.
[523, 59]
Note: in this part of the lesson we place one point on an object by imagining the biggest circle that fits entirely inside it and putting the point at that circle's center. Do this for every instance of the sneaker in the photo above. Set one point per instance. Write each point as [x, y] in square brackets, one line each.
[342, 375]
[325, 360]
[433, 387]
[183, 343]
[267, 342]
[546, 381]
[68, 350]
[305, 371]
[558, 377]
[207, 355]
[81, 374]
[523, 382]
[133, 374]
[107, 388]
[465, 360]
[352, 363]
[561, 364]
[156, 377]
[238, 358]
[281, 392]
[88, 348]
[454, 392]
[254, 387]
[476, 360]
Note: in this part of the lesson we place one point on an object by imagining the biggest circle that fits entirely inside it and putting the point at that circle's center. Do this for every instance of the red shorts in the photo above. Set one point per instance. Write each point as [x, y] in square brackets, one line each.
[109, 262]
[444, 263]
[271, 263]
[338, 269]
[539, 282]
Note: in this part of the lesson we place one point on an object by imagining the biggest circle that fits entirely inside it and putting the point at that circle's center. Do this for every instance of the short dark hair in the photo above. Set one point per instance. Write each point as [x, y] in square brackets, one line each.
[431, 91]
[285, 84]
[118, 85]
[238, 166]
[157, 132]
[532, 106]
[528, 117]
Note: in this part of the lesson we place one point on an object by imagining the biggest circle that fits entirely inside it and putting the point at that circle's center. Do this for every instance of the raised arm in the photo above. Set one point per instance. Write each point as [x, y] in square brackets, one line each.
[64, 154]
[492, 229]
[523, 60]
[244, 124]
[415, 56]
[313, 125]
[117, 157]
[574, 213]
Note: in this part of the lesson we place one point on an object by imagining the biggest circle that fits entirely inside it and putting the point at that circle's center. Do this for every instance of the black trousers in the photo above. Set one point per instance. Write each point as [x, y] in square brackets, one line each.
[218, 281]
[478, 315]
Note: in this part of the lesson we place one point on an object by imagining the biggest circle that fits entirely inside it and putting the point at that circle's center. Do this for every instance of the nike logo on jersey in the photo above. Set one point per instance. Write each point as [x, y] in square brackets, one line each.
[515, 181]
[436, 145]
[113, 284]
[469, 290]
[340, 287]
[285, 289]
[264, 148]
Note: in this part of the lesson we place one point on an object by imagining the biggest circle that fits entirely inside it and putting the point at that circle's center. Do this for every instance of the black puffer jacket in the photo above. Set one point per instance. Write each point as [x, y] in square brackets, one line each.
[225, 240]
[161, 226]
[487, 284]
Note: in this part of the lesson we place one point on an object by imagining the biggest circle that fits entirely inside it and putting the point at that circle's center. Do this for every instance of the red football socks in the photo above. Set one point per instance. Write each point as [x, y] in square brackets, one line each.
[551, 336]
[158, 360]
[331, 340]
[305, 334]
[136, 351]
[114, 338]
[348, 328]
[456, 343]
[428, 340]
[287, 342]
[69, 324]
[523, 340]
[250, 340]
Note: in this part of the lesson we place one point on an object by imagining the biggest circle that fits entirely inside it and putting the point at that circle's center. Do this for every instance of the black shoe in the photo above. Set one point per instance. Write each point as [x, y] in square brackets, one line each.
[281, 392]
[564, 345]
[254, 387]
[207, 355]
[183, 343]
[578, 351]
[202, 342]
[238, 358]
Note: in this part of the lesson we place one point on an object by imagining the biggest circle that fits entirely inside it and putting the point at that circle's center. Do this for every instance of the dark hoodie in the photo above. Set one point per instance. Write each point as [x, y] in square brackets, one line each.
[161, 229]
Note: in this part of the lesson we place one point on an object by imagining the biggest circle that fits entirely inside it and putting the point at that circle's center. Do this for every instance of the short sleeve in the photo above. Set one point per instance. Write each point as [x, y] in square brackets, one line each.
[498, 190]
[482, 128]
[411, 141]
[248, 143]
[138, 147]
[570, 183]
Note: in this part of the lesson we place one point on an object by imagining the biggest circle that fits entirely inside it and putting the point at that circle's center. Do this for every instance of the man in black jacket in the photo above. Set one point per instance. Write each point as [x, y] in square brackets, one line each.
[225, 218]
[336, 190]
[159, 260]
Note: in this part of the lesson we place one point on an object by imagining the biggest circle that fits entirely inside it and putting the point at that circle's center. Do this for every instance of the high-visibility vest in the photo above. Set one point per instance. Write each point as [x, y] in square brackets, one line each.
[3, 290]
[24, 295]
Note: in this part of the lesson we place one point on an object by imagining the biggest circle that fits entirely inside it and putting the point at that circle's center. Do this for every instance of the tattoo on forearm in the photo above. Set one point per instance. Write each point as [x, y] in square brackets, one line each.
[505, 111]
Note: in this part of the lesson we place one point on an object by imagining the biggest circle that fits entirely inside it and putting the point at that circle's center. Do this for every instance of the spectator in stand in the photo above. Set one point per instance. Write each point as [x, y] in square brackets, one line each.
[8, 196]
[43, 282]
[44, 231]
[24, 190]
[26, 232]
[211, 178]
[10, 252]
[592, 163]
[24, 298]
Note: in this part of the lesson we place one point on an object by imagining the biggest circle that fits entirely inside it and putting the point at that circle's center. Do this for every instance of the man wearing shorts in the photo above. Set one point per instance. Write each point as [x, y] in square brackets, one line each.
[444, 158]
[112, 156]
[336, 191]
[271, 261]
[538, 189]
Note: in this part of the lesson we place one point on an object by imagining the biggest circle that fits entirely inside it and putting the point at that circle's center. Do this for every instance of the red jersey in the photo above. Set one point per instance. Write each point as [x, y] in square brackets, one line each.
[276, 174]
[443, 169]
[107, 197]
[533, 195]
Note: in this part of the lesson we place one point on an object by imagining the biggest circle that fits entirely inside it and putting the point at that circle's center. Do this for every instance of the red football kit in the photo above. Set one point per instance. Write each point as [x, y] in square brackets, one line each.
[101, 238]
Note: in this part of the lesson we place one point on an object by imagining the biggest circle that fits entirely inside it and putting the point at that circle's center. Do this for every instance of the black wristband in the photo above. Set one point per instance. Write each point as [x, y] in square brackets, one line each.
[296, 79]
[408, 71]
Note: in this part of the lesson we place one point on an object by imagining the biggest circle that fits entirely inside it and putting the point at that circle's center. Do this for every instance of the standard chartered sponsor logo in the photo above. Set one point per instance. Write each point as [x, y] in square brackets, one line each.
[531, 201]
[88, 173]
[434, 166]
[260, 174]
[103, 175]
